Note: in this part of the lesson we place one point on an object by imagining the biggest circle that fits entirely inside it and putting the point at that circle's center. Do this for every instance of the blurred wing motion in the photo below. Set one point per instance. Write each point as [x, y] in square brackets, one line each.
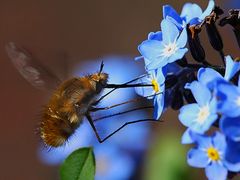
[30, 69]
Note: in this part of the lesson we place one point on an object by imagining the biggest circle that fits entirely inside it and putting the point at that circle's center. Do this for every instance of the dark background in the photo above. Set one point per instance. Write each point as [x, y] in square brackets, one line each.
[61, 34]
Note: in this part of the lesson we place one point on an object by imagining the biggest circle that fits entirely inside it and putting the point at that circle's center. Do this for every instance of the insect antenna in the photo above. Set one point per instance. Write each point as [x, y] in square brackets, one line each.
[101, 68]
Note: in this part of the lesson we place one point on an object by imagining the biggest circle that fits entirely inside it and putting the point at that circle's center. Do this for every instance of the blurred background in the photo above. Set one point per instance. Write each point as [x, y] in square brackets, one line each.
[72, 38]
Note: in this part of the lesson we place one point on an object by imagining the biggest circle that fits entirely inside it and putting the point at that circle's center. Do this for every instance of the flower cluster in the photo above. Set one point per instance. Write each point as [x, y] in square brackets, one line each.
[207, 95]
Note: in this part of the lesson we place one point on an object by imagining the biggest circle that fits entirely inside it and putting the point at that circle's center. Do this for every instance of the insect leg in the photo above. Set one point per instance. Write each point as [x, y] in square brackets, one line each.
[127, 123]
[124, 112]
[89, 118]
[101, 98]
[93, 109]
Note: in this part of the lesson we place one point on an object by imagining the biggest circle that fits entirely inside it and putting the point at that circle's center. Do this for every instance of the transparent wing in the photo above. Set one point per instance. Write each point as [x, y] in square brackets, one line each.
[30, 69]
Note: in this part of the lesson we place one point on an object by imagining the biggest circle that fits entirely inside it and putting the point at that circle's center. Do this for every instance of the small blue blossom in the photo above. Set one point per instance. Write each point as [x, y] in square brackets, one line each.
[210, 154]
[158, 53]
[191, 13]
[201, 115]
[211, 78]
[156, 92]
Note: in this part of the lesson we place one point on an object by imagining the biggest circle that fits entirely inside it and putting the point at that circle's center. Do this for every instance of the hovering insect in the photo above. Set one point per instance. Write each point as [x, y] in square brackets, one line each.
[71, 100]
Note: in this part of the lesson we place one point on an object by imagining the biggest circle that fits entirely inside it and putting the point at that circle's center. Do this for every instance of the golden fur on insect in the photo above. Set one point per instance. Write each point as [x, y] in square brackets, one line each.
[66, 108]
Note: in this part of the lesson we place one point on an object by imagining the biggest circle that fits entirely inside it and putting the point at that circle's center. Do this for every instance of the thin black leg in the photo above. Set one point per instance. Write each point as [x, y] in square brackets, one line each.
[127, 123]
[124, 112]
[101, 98]
[89, 118]
[111, 134]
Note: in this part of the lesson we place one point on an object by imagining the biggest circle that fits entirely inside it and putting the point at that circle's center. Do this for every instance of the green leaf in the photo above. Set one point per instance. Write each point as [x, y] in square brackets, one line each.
[80, 165]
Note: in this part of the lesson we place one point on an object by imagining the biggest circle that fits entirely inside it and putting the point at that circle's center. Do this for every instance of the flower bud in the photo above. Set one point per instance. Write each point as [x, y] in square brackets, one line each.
[212, 31]
[195, 46]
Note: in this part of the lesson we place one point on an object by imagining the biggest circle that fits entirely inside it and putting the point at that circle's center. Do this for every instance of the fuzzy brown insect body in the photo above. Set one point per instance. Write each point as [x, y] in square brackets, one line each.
[70, 102]
[67, 107]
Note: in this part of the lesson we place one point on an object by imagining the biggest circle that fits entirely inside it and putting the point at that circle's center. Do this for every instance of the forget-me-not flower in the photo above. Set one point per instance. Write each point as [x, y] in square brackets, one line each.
[191, 13]
[155, 92]
[158, 53]
[201, 115]
[211, 77]
[210, 154]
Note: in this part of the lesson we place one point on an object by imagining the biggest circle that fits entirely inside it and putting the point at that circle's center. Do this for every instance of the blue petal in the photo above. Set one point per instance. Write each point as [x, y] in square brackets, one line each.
[170, 31]
[178, 55]
[203, 142]
[234, 167]
[182, 39]
[191, 11]
[227, 95]
[200, 92]
[197, 158]
[155, 36]
[194, 21]
[208, 77]
[207, 12]
[160, 76]
[201, 128]
[178, 25]
[188, 114]
[231, 127]
[232, 67]
[215, 171]
[219, 141]
[186, 137]
[159, 62]
[158, 106]
[145, 91]
[150, 49]
[170, 11]
[232, 158]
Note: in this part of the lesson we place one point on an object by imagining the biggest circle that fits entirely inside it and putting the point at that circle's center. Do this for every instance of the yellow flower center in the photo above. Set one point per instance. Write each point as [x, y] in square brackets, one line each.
[213, 154]
[155, 85]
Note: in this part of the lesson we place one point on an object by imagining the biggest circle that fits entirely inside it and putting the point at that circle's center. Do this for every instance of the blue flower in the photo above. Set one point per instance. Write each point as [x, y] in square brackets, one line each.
[201, 115]
[191, 13]
[210, 154]
[211, 78]
[159, 52]
[155, 92]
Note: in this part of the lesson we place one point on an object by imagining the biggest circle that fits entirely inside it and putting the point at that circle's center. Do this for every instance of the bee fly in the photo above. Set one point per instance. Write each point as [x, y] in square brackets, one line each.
[71, 100]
